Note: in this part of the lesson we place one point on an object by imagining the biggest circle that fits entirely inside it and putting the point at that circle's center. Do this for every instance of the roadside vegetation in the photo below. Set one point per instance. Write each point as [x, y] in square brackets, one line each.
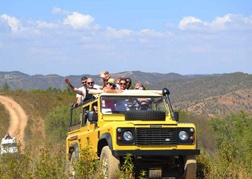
[225, 141]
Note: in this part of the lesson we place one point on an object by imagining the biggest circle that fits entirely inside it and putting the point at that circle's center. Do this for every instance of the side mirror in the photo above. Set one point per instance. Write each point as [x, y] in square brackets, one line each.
[176, 116]
[92, 117]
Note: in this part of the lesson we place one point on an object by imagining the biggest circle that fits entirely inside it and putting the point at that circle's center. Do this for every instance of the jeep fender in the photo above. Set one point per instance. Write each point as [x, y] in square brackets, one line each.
[104, 140]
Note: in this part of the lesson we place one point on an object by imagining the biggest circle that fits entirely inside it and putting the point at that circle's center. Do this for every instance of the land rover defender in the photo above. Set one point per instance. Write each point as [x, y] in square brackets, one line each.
[141, 123]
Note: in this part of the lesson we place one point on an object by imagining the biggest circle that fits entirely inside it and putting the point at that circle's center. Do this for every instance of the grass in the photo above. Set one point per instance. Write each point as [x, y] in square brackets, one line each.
[41, 160]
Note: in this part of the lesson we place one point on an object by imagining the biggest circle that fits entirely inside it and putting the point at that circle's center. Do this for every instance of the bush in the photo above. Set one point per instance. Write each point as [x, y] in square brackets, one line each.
[57, 123]
[45, 162]
[234, 158]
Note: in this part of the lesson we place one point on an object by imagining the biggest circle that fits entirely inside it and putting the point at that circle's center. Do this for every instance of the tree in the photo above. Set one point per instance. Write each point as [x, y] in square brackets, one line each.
[233, 134]
[6, 87]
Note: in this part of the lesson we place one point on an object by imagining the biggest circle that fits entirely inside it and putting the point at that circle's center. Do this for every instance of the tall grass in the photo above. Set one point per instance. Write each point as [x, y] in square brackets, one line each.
[34, 163]
[225, 143]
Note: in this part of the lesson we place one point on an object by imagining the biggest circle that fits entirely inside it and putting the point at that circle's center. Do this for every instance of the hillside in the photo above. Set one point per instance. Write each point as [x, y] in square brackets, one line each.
[36, 106]
[212, 95]
[200, 94]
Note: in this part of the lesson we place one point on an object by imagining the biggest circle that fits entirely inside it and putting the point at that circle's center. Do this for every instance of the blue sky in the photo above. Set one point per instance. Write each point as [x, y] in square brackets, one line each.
[85, 37]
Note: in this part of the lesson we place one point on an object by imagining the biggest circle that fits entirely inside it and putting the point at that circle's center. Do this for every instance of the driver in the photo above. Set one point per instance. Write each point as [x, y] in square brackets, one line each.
[144, 105]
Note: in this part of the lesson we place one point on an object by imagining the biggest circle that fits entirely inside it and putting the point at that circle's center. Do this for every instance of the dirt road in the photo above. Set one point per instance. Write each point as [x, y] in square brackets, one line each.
[18, 118]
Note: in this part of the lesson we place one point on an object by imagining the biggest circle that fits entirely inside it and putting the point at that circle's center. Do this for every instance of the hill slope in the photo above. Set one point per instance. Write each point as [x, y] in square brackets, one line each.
[200, 94]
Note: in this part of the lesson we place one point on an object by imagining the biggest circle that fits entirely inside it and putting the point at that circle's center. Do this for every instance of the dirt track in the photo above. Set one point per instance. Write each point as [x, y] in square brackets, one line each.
[18, 118]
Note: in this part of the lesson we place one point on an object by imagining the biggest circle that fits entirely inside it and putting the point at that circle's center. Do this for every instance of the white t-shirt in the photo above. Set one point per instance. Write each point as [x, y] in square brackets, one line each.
[96, 86]
[83, 89]
[117, 86]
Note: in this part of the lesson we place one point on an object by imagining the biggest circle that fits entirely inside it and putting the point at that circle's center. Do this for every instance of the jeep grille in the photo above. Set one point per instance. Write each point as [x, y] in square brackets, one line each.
[156, 136]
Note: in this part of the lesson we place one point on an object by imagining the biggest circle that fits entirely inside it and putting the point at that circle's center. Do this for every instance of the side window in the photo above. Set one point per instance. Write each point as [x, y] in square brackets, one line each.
[94, 108]
[76, 116]
[84, 117]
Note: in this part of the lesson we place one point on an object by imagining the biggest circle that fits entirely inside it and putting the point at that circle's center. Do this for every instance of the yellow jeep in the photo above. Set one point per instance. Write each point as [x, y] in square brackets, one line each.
[137, 122]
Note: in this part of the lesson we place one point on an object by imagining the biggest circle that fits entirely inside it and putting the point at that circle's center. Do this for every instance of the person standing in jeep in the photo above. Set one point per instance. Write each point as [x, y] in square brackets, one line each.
[81, 91]
[83, 87]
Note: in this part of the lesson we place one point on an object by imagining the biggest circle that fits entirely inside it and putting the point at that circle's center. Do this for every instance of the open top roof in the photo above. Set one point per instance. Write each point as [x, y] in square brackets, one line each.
[128, 93]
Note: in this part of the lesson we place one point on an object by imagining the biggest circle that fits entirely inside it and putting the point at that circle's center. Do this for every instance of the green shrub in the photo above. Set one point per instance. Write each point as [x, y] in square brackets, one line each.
[50, 164]
[234, 158]
[57, 123]
[203, 164]
[45, 162]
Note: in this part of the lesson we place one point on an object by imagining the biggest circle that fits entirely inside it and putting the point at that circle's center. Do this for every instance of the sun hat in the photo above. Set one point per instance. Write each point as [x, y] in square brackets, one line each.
[111, 80]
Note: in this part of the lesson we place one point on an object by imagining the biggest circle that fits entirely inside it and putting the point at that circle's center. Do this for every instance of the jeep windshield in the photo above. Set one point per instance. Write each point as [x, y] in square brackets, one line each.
[121, 104]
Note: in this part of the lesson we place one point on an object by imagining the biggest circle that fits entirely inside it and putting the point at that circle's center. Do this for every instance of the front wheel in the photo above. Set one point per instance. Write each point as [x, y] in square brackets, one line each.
[110, 165]
[190, 168]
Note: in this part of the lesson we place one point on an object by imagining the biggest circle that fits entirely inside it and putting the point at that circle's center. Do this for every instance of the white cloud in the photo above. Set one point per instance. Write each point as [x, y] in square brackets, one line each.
[220, 23]
[113, 33]
[12, 22]
[79, 21]
[227, 22]
[232, 22]
[46, 25]
[223, 20]
[57, 10]
[190, 23]
[45, 41]
[152, 33]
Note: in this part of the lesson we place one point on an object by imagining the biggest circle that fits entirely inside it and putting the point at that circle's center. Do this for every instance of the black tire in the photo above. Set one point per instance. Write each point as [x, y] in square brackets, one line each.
[110, 165]
[72, 164]
[145, 115]
[190, 168]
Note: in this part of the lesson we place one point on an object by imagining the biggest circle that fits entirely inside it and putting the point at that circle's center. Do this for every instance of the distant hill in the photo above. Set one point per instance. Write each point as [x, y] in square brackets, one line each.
[18, 80]
[201, 94]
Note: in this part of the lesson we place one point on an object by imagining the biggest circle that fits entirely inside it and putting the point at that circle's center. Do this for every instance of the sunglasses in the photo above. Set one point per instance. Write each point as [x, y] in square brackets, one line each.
[84, 82]
[122, 83]
[90, 83]
[111, 84]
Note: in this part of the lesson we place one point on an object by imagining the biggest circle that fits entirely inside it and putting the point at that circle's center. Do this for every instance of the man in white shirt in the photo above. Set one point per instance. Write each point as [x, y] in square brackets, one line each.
[82, 88]
[81, 91]
[89, 85]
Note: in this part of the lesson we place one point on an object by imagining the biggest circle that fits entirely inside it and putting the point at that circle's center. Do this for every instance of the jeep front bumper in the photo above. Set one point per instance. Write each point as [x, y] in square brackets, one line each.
[118, 153]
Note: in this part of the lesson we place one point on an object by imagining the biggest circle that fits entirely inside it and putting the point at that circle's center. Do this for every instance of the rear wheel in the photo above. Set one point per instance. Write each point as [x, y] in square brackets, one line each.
[110, 165]
[71, 165]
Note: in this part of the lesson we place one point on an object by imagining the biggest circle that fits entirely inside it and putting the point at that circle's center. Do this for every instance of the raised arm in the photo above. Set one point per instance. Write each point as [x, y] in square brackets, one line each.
[76, 90]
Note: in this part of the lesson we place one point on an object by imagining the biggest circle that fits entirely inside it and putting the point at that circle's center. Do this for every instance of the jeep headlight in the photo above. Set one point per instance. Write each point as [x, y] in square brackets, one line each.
[128, 136]
[183, 135]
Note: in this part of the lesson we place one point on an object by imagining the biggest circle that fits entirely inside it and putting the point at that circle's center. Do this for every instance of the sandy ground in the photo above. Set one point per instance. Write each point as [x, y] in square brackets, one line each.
[18, 118]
